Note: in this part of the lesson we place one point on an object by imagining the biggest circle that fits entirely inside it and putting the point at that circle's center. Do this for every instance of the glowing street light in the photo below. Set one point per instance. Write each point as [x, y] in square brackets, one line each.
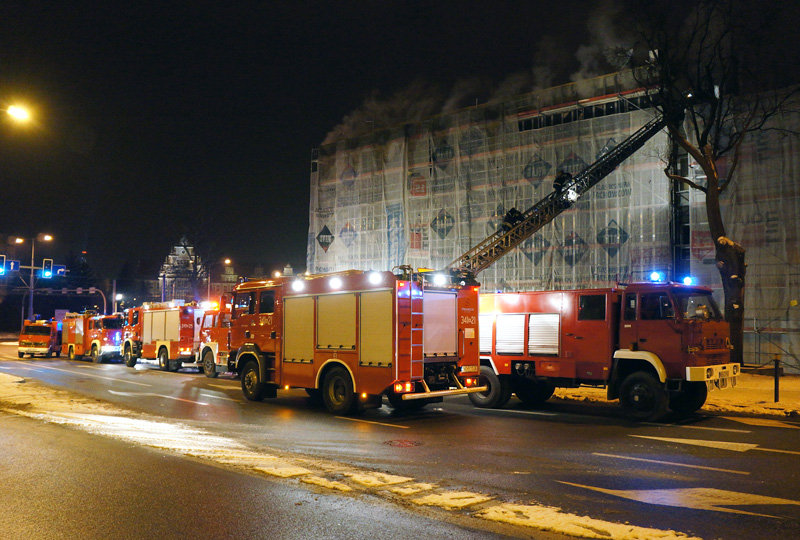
[43, 237]
[227, 262]
[19, 113]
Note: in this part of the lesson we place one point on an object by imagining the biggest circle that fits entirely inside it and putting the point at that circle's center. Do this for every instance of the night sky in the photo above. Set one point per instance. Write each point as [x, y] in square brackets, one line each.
[167, 118]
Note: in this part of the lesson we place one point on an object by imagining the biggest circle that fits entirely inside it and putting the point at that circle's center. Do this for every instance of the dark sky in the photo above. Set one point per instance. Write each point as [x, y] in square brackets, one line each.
[167, 117]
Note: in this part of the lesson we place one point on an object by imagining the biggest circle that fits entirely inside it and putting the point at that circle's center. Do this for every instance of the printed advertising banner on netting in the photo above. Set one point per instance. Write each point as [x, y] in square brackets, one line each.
[425, 194]
[761, 211]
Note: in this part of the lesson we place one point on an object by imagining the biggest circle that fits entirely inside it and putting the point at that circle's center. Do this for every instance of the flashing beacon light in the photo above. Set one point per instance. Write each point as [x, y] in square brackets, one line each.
[298, 285]
[335, 283]
[657, 276]
[375, 278]
[440, 280]
[688, 280]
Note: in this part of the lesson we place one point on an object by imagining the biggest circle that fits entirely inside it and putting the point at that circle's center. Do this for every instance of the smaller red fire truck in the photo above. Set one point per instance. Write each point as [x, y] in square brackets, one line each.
[165, 331]
[652, 345]
[215, 338]
[351, 337]
[90, 334]
[40, 337]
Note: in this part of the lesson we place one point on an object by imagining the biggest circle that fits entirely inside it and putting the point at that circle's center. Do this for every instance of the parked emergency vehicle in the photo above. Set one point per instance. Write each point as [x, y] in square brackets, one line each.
[652, 345]
[97, 336]
[351, 337]
[163, 331]
[215, 338]
[40, 337]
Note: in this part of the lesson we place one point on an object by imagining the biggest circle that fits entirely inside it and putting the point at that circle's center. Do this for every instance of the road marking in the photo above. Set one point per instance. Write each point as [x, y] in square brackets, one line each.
[694, 498]
[91, 375]
[222, 386]
[218, 397]
[763, 422]
[371, 422]
[726, 430]
[325, 483]
[136, 394]
[376, 479]
[515, 411]
[670, 463]
[723, 445]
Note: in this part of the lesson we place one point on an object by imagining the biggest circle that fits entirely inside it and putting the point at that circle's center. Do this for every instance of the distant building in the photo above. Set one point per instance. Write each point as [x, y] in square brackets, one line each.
[184, 276]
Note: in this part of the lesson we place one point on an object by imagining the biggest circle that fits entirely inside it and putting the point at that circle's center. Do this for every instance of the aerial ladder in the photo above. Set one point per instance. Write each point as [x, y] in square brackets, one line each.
[485, 253]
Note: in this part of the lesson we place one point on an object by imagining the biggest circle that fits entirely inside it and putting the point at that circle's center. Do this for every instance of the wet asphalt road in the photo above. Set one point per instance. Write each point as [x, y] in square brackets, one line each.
[705, 476]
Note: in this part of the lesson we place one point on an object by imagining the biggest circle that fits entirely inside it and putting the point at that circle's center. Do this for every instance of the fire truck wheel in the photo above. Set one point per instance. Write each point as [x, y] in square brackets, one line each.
[21, 355]
[96, 358]
[497, 395]
[71, 353]
[314, 395]
[57, 353]
[128, 357]
[642, 396]
[252, 387]
[533, 392]
[689, 399]
[337, 392]
[209, 367]
[163, 359]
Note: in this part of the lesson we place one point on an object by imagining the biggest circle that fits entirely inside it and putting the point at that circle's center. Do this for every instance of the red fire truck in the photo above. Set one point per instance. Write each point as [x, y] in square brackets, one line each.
[652, 345]
[40, 337]
[212, 354]
[165, 331]
[98, 336]
[351, 337]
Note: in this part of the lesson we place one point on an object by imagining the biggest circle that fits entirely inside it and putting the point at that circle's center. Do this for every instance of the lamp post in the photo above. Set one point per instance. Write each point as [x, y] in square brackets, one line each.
[117, 298]
[226, 262]
[32, 285]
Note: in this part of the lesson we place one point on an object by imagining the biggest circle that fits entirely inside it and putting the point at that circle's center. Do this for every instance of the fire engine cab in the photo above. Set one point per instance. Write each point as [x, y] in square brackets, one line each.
[90, 334]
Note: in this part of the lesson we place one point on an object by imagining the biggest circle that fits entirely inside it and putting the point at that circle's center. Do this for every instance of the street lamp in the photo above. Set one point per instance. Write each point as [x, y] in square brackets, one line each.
[31, 285]
[18, 113]
[226, 262]
[117, 298]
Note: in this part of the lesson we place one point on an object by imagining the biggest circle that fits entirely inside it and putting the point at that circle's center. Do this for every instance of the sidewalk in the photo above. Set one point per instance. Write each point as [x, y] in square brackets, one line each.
[753, 395]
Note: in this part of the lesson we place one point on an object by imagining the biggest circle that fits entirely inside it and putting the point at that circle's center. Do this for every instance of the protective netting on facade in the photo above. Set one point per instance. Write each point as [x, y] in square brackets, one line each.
[762, 212]
[424, 194]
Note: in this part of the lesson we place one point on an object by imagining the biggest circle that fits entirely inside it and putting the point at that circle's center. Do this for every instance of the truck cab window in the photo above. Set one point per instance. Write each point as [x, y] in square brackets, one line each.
[591, 307]
[267, 302]
[135, 319]
[243, 304]
[656, 306]
[630, 307]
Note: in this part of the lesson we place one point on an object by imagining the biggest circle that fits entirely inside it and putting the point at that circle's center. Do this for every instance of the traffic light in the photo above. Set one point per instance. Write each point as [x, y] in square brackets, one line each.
[2, 265]
[47, 268]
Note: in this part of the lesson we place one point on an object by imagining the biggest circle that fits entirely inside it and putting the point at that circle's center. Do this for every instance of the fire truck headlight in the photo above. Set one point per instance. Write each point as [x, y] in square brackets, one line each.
[440, 280]
[375, 278]
[335, 283]
[298, 285]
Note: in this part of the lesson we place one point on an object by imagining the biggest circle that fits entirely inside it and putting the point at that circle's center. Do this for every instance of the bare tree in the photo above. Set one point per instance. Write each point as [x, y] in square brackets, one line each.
[710, 80]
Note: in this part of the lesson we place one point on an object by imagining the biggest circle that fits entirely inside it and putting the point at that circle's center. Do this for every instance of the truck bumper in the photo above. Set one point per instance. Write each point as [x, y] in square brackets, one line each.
[34, 350]
[442, 393]
[716, 376]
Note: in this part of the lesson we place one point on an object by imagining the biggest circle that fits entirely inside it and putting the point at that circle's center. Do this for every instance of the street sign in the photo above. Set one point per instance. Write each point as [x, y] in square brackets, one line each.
[79, 290]
[59, 270]
[12, 266]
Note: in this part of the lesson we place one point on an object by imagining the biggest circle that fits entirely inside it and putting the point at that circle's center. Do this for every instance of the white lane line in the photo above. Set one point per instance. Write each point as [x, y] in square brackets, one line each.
[670, 463]
[722, 445]
[513, 411]
[371, 422]
[218, 397]
[155, 395]
[95, 376]
[726, 430]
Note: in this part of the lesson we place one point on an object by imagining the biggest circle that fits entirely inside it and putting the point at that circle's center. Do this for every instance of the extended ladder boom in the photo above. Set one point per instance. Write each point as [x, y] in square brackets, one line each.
[543, 212]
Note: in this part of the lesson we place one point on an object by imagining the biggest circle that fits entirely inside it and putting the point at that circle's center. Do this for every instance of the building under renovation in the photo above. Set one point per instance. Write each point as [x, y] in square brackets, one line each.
[424, 193]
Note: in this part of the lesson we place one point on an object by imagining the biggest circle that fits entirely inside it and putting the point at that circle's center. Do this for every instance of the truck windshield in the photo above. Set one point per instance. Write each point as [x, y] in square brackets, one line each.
[112, 323]
[37, 330]
[698, 306]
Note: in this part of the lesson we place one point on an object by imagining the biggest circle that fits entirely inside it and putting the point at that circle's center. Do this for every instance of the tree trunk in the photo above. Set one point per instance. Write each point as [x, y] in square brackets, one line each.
[730, 263]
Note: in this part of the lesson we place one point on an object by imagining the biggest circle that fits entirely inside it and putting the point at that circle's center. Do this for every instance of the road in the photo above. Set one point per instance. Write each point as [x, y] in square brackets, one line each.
[485, 471]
